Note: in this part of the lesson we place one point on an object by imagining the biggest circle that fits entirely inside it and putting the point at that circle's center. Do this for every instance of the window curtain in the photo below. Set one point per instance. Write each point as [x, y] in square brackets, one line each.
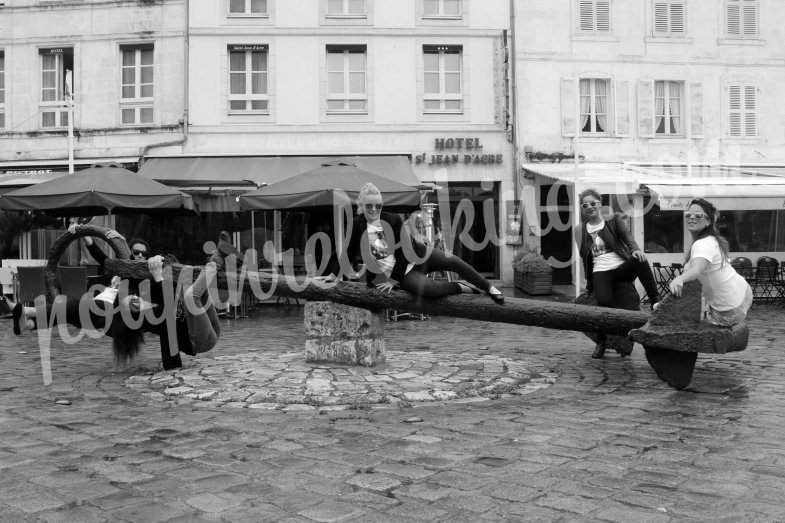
[237, 73]
[675, 107]
[585, 87]
[601, 105]
[659, 107]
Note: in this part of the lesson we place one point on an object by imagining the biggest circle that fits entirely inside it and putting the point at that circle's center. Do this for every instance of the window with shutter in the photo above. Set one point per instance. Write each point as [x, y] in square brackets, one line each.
[742, 111]
[594, 16]
[669, 17]
[741, 18]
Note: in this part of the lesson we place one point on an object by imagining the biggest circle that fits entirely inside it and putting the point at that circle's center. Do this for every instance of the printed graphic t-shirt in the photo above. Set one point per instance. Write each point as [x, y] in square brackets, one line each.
[604, 259]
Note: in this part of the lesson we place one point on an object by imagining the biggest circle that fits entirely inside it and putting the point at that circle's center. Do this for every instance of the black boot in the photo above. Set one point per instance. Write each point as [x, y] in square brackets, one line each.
[599, 350]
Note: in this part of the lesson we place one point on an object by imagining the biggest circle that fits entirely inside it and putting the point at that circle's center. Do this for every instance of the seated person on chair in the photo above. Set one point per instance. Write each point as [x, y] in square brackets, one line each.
[391, 268]
[727, 296]
[197, 327]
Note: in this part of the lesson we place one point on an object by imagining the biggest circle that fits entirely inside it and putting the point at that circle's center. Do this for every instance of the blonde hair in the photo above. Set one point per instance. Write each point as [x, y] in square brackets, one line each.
[368, 189]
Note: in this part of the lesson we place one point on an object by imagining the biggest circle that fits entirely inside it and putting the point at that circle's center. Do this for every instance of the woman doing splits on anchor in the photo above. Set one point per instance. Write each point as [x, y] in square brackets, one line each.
[392, 268]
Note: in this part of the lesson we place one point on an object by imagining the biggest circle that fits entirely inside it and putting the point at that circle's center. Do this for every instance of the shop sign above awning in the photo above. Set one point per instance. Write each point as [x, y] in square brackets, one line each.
[728, 197]
[257, 171]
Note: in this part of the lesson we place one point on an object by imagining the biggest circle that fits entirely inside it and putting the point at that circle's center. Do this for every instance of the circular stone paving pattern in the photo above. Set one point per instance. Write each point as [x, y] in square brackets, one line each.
[284, 381]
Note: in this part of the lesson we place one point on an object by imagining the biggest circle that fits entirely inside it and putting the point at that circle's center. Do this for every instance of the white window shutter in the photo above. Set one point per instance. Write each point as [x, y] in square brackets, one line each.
[749, 11]
[660, 16]
[750, 111]
[677, 18]
[586, 15]
[603, 12]
[621, 91]
[569, 106]
[734, 111]
[646, 108]
[696, 109]
[733, 17]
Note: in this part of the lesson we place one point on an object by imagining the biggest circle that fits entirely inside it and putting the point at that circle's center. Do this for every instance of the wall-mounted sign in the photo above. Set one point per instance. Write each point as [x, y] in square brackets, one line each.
[470, 156]
[448, 159]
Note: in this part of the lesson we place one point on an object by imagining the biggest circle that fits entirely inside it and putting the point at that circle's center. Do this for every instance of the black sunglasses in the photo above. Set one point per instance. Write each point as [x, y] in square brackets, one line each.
[373, 206]
[137, 252]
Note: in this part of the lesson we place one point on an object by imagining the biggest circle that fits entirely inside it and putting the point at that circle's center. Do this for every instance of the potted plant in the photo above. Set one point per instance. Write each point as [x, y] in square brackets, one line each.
[532, 273]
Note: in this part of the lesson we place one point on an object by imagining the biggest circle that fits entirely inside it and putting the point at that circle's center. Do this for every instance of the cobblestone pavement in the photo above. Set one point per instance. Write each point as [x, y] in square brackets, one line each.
[564, 438]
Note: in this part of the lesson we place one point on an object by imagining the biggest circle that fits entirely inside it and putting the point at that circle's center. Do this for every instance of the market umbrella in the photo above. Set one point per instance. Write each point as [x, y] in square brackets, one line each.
[103, 188]
[316, 188]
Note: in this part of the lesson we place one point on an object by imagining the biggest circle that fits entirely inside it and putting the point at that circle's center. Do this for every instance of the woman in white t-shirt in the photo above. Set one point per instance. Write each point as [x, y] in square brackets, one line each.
[726, 294]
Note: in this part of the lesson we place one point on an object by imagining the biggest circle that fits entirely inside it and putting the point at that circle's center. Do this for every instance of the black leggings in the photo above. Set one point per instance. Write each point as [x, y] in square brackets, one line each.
[417, 282]
[633, 268]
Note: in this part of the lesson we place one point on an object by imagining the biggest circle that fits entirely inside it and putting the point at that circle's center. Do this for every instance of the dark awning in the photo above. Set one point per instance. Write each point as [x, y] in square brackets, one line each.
[256, 171]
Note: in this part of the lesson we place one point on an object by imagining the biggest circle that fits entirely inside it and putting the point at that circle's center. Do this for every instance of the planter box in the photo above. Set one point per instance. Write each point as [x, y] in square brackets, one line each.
[534, 283]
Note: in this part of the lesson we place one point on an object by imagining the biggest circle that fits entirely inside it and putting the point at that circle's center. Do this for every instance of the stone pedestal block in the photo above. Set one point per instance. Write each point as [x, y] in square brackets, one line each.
[341, 334]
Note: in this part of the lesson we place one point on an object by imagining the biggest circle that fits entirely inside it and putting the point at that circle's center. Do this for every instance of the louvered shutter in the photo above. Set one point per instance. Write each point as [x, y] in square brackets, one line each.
[661, 17]
[621, 91]
[677, 17]
[749, 11]
[750, 111]
[733, 17]
[569, 106]
[696, 109]
[646, 108]
[734, 110]
[603, 13]
[586, 15]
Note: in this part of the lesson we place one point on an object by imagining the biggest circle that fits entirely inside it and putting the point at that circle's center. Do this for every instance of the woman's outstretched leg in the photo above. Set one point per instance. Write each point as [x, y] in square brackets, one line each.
[418, 283]
[439, 261]
[25, 317]
[204, 328]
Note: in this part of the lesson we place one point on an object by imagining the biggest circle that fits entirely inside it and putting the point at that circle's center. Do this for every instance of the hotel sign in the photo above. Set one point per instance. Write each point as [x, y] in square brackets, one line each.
[458, 150]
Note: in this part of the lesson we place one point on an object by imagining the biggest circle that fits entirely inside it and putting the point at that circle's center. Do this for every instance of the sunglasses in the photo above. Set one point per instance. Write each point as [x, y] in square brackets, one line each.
[372, 206]
[137, 252]
[590, 205]
[696, 215]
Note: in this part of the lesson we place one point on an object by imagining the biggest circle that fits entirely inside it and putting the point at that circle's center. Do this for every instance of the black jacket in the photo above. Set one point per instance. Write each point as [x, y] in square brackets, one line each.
[358, 249]
[617, 238]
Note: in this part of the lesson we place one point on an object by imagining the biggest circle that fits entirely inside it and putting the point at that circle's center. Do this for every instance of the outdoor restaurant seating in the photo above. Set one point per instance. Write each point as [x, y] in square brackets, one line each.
[30, 284]
[73, 281]
[767, 276]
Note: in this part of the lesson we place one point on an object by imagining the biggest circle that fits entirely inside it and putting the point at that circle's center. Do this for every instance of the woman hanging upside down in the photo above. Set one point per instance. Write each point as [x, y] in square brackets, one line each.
[196, 326]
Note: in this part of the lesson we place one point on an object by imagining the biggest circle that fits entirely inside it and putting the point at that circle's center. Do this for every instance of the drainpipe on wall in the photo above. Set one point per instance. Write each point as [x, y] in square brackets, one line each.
[186, 45]
[516, 164]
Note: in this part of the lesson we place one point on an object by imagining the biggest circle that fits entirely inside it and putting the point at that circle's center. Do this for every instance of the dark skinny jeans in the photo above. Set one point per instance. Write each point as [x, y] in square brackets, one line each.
[633, 268]
[418, 283]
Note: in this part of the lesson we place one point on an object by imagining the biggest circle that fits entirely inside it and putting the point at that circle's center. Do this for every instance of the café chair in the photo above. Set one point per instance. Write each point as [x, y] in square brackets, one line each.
[30, 284]
[73, 281]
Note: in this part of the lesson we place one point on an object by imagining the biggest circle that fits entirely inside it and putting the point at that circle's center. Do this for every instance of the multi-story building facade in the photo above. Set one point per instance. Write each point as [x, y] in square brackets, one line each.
[414, 89]
[663, 100]
[219, 97]
[113, 70]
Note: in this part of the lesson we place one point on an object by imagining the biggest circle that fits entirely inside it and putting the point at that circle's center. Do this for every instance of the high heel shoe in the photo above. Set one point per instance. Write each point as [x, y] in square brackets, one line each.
[496, 295]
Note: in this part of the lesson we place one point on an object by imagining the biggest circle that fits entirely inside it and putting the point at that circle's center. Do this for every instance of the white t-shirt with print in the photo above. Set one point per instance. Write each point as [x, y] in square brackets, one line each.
[380, 250]
[604, 260]
[723, 288]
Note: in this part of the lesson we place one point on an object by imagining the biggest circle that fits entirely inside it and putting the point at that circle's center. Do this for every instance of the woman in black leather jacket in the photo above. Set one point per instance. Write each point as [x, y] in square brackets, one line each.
[610, 254]
[376, 238]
